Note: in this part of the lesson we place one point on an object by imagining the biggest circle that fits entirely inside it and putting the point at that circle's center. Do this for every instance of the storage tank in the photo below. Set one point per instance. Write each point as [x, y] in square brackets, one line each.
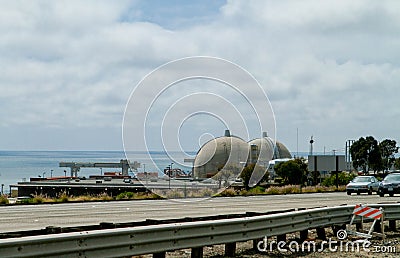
[223, 152]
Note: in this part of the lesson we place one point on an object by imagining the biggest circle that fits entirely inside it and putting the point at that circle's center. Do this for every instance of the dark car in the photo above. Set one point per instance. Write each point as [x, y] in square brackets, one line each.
[390, 185]
[362, 184]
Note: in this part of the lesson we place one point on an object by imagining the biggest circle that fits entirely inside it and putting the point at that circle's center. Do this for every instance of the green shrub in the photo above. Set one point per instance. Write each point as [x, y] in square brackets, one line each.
[252, 191]
[37, 199]
[24, 201]
[256, 190]
[244, 192]
[130, 195]
[63, 197]
[343, 179]
[121, 196]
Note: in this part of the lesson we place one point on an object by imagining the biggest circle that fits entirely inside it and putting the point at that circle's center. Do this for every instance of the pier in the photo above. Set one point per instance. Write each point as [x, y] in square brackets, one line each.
[124, 164]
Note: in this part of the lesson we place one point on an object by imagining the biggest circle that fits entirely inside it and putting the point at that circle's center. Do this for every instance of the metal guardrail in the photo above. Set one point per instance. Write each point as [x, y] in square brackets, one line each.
[168, 237]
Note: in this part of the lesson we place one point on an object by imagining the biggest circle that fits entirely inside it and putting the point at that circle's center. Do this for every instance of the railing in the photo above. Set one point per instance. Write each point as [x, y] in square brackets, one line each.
[168, 237]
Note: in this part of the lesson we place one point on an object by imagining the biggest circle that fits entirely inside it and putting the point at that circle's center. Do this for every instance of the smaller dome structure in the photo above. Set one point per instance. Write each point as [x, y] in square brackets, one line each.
[265, 149]
[281, 152]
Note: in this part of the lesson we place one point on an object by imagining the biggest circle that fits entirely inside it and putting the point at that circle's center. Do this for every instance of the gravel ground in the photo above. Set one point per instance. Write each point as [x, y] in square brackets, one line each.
[390, 249]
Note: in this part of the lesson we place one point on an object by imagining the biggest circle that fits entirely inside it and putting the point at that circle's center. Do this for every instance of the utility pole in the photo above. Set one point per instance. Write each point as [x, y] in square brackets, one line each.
[348, 154]
[336, 169]
[169, 176]
[145, 174]
[297, 142]
[311, 145]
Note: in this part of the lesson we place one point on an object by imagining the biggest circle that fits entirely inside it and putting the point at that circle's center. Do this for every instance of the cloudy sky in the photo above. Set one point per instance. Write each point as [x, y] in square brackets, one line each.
[67, 68]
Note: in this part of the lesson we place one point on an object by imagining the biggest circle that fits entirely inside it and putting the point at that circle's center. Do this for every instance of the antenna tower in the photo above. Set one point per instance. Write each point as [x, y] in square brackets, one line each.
[311, 145]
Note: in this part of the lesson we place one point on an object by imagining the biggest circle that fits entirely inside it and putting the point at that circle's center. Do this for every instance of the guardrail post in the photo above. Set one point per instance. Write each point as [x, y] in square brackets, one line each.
[303, 235]
[53, 230]
[230, 249]
[281, 238]
[321, 234]
[159, 255]
[377, 226]
[197, 252]
[392, 225]
[107, 225]
[255, 243]
[359, 226]
[336, 228]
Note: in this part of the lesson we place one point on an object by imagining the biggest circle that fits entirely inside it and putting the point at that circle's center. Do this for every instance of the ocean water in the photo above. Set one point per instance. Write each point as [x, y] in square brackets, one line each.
[17, 166]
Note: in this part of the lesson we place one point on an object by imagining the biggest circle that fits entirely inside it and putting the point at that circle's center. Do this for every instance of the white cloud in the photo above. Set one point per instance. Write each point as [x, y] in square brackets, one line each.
[330, 68]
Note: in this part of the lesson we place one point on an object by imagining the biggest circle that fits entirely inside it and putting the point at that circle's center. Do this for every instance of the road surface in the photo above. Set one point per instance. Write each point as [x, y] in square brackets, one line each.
[30, 217]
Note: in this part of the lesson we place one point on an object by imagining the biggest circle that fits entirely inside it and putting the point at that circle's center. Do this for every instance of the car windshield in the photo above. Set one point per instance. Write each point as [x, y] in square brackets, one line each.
[361, 179]
[392, 178]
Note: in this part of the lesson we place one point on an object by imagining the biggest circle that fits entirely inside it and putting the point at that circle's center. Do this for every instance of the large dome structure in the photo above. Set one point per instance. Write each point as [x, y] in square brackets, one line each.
[231, 152]
[222, 152]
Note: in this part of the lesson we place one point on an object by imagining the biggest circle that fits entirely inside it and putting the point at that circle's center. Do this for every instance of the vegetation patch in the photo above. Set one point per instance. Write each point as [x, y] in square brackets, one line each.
[229, 192]
[3, 199]
[176, 193]
[343, 178]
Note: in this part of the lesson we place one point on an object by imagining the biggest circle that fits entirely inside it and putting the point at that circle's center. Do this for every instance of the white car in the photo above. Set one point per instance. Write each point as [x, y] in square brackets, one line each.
[363, 184]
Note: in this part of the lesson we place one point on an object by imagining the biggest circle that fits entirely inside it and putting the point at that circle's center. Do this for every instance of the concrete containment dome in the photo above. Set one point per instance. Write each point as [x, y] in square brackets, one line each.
[265, 149]
[261, 150]
[232, 153]
[281, 152]
[226, 151]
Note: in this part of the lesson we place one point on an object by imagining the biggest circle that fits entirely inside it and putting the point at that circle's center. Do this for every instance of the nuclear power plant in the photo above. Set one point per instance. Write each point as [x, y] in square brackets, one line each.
[233, 153]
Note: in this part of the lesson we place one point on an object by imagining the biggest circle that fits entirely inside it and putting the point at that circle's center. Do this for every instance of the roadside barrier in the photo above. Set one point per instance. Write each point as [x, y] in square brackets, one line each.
[158, 239]
[368, 212]
[371, 213]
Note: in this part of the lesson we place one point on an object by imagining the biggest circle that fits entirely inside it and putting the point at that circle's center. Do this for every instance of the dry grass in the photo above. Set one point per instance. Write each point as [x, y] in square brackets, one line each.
[229, 192]
[3, 199]
[178, 193]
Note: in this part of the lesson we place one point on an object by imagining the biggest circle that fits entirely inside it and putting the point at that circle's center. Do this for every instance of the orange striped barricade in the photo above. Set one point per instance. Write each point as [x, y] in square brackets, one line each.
[369, 213]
